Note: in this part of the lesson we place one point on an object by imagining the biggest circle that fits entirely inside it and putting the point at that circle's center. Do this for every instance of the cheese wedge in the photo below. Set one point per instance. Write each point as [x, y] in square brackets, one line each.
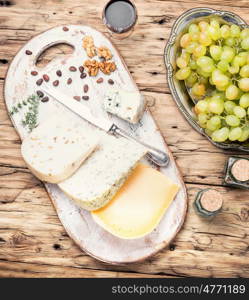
[139, 205]
[57, 147]
[104, 172]
[126, 105]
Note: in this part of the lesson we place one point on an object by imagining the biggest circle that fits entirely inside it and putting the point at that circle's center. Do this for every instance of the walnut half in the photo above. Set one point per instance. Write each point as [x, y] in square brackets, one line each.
[104, 52]
[92, 67]
[88, 45]
[107, 67]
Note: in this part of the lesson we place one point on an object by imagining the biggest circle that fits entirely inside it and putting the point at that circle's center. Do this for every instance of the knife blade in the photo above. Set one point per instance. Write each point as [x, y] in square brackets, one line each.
[159, 157]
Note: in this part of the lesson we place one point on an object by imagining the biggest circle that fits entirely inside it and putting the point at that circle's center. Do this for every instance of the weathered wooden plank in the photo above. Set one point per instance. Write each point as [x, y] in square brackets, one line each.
[24, 270]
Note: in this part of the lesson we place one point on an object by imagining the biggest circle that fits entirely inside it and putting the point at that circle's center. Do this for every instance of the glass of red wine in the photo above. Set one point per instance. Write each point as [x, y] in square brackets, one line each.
[120, 17]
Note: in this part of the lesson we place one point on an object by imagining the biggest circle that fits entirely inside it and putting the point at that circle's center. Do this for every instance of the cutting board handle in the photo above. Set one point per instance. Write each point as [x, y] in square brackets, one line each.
[55, 36]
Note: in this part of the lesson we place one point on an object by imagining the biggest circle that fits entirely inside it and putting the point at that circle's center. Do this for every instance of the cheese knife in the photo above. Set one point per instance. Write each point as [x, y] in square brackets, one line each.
[157, 156]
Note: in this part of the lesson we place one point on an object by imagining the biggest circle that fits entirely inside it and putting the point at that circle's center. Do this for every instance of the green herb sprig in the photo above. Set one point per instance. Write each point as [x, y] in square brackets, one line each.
[31, 115]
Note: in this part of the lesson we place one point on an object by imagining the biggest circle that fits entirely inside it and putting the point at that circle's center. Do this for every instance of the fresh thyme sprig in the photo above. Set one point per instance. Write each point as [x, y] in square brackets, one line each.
[30, 117]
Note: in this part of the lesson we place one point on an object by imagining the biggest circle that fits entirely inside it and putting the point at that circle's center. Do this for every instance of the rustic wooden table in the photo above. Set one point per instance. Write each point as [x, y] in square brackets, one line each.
[33, 242]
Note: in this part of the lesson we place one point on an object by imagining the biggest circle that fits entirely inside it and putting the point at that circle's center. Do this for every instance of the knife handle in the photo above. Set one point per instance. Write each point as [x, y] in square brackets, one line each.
[159, 157]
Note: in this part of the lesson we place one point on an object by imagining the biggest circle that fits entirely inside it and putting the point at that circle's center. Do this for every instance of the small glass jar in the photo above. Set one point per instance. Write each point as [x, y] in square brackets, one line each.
[208, 203]
[237, 172]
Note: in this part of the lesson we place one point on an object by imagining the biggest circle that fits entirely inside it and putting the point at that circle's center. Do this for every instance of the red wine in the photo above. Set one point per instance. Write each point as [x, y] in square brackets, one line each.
[120, 15]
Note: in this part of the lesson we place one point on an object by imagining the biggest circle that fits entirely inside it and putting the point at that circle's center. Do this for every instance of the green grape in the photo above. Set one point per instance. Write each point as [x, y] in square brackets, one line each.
[235, 30]
[245, 135]
[195, 36]
[185, 40]
[193, 28]
[225, 31]
[245, 43]
[204, 61]
[233, 69]
[202, 73]
[215, 23]
[244, 33]
[220, 135]
[183, 73]
[199, 89]
[216, 106]
[211, 126]
[244, 101]
[199, 51]
[230, 41]
[202, 119]
[193, 64]
[244, 84]
[215, 52]
[214, 123]
[214, 33]
[208, 132]
[191, 47]
[201, 106]
[209, 68]
[227, 54]
[229, 106]
[223, 65]
[204, 39]
[240, 112]
[185, 55]
[191, 80]
[244, 71]
[232, 92]
[203, 25]
[181, 63]
[219, 78]
[241, 59]
[232, 120]
[235, 134]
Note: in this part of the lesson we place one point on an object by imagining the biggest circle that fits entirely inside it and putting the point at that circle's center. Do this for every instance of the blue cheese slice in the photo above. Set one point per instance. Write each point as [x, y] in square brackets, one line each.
[125, 105]
[57, 148]
[96, 182]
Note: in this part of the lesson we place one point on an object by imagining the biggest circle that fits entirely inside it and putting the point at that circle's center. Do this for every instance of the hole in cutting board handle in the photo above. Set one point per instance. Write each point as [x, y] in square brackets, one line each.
[51, 52]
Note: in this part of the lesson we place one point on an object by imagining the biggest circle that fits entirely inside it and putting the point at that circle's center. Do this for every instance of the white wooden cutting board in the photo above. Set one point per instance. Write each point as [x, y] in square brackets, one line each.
[78, 223]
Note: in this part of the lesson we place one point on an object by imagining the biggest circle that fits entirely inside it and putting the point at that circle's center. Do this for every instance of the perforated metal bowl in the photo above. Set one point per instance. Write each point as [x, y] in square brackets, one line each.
[177, 88]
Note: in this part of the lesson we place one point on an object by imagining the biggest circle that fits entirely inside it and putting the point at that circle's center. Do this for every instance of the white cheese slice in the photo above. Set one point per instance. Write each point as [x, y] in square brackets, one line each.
[125, 105]
[57, 147]
[100, 177]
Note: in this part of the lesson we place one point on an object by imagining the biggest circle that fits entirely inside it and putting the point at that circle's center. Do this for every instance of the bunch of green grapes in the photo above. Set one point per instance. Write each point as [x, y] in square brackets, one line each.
[214, 63]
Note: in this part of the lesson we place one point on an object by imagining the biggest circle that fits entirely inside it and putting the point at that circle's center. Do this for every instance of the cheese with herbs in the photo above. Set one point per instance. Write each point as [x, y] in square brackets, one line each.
[57, 147]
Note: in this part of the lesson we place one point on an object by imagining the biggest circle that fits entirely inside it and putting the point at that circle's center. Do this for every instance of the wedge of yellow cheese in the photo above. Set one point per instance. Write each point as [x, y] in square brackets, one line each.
[139, 205]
